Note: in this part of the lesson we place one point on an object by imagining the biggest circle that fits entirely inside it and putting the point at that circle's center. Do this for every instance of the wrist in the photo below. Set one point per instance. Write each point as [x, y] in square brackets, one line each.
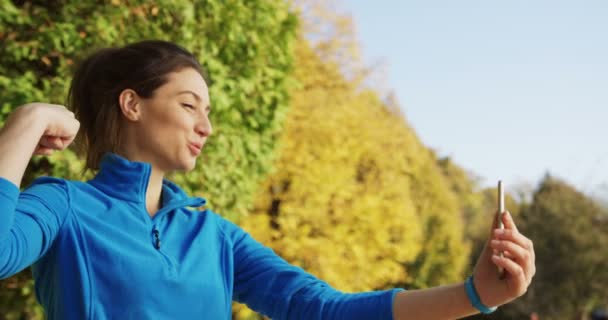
[474, 297]
[18, 139]
[482, 293]
[29, 115]
[35, 115]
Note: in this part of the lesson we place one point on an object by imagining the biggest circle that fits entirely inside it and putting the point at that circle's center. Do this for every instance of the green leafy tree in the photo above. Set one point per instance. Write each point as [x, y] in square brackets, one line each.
[246, 47]
[570, 234]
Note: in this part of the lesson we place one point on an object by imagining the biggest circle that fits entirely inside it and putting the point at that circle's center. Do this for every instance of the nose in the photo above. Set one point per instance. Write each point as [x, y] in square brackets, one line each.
[203, 126]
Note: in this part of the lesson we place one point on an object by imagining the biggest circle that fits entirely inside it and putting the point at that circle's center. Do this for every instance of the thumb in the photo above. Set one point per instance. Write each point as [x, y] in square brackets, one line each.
[51, 142]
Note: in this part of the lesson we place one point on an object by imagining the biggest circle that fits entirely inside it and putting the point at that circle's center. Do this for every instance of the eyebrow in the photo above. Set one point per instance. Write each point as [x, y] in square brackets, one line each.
[196, 96]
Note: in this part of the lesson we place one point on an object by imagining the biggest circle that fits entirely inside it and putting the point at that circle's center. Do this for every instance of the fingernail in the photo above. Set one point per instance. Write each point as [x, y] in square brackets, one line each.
[499, 231]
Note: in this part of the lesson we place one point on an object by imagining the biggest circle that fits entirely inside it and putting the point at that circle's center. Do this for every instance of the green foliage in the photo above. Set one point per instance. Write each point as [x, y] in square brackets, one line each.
[246, 47]
[17, 300]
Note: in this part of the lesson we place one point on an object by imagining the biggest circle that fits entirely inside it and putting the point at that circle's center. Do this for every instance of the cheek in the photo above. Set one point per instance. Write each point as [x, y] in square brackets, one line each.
[166, 132]
[177, 134]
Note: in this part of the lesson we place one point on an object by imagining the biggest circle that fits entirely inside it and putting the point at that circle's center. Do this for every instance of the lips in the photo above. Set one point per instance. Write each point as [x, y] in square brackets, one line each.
[195, 148]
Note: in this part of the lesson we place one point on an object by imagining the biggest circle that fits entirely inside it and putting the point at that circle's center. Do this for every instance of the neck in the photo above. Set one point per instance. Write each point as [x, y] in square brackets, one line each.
[155, 184]
[153, 193]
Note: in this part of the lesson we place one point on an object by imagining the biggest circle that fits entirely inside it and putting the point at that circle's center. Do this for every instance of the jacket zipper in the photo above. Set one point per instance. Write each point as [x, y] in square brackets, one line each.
[192, 202]
[156, 241]
[157, 244]
[156, 237]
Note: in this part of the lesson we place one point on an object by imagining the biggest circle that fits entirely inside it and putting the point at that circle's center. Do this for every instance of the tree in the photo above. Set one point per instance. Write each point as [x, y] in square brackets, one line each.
[355, 198]
[246, 47]
[570, 236]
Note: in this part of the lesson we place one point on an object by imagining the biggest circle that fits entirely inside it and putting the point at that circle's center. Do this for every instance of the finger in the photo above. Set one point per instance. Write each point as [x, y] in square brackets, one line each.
[52, 142]
[65, 142]
[513, 235]
[507, 219]
[508, 254]
[520, 240]
[516, 253]
[43, 151]
[530, 274]
[519, 284]
[520, 254]
[487, 254]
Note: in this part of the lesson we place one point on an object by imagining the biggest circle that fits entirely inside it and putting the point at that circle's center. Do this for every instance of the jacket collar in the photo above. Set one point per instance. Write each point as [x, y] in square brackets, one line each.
[128, 180]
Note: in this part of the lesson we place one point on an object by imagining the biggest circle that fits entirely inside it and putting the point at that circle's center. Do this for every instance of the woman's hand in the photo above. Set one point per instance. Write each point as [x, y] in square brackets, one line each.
[33, 128]
[517, 261]
[60, 126]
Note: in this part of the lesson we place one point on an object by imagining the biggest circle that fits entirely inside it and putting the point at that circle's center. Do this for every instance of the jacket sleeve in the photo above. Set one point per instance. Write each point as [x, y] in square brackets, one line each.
[29, 221]
[270, 285]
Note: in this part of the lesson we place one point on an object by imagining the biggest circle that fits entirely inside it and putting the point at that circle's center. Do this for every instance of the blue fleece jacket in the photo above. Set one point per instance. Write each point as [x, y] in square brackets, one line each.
[96, 254]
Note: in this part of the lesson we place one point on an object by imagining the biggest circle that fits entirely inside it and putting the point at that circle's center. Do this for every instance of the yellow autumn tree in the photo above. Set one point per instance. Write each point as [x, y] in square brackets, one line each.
[355, 198]
[335, 204]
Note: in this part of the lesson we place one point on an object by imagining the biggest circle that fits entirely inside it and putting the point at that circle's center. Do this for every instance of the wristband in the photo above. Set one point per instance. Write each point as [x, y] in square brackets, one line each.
[474, 297]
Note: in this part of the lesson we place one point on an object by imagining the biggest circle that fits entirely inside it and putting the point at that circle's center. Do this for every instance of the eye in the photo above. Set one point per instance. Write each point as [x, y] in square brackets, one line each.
[187, 105]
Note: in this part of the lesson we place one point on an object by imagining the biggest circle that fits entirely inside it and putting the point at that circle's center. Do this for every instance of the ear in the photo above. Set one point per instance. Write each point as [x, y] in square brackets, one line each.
[130, 104]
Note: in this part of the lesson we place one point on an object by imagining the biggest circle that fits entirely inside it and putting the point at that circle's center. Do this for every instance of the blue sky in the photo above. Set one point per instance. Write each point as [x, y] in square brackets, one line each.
[508, 89]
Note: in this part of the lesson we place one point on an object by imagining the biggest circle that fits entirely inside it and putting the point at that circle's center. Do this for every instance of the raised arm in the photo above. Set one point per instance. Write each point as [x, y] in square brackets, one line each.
[35, 128]
[30, 220]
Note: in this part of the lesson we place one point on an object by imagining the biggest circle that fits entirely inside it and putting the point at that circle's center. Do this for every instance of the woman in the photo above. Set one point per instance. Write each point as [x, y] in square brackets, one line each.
[124, 245]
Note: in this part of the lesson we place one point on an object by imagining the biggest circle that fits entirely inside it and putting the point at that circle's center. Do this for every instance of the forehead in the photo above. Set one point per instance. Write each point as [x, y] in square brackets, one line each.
[185, 80]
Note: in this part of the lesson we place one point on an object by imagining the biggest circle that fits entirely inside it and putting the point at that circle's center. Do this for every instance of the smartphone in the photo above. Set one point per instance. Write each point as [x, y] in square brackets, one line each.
[500, 225]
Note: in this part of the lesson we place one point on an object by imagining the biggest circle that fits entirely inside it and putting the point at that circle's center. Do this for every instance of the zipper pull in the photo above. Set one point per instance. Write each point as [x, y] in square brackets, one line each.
[156, 238]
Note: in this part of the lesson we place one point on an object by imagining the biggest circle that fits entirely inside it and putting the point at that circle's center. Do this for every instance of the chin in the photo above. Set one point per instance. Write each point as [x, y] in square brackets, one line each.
[183, 164]
[189, 164]
[189, 168]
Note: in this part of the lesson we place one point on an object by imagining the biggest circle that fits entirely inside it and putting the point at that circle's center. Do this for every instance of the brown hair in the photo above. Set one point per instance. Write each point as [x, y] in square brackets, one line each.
[103, 75]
